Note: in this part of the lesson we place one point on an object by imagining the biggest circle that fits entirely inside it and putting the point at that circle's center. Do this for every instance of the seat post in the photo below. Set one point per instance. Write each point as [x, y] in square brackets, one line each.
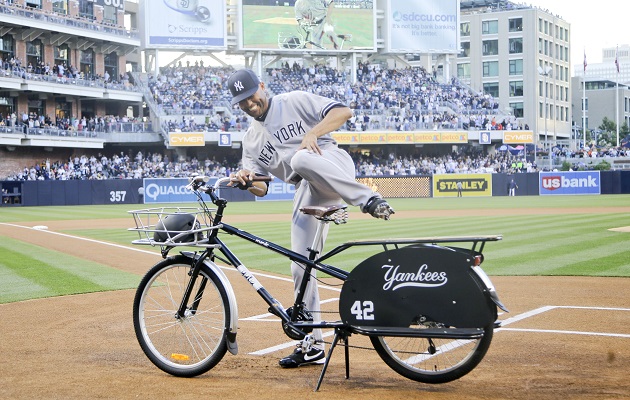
[317, 239]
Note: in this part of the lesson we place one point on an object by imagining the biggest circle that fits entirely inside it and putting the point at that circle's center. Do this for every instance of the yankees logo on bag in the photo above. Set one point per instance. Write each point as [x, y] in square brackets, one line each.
[396, 287]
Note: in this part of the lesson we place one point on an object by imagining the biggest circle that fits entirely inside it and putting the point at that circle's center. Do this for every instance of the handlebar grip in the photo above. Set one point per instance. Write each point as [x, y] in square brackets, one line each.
[257, 178]
[199, 179]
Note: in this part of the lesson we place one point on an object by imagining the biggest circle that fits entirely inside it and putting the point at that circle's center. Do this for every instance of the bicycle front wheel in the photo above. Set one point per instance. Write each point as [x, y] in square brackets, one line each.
[182, 346]
[432, 360]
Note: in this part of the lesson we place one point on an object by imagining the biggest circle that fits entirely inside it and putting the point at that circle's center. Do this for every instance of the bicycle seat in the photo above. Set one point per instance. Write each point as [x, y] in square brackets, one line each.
[321, 212]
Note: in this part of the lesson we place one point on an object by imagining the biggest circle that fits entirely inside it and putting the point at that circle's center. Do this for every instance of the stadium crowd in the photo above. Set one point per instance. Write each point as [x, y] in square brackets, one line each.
[123, 166]
[157, 165]
[395, 99]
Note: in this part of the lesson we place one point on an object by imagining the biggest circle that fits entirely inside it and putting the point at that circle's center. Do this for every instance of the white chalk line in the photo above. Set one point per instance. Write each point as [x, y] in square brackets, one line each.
[504, 322]
[279, 278]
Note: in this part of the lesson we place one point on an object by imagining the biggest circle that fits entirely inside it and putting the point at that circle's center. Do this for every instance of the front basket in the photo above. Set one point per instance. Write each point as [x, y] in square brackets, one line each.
[152, 226]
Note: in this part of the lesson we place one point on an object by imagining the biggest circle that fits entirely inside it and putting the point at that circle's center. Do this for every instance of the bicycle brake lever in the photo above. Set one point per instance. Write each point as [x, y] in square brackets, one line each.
[197, 181]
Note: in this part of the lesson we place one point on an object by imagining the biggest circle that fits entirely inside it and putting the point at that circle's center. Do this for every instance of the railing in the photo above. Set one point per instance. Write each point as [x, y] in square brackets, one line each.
[11, 129]
[194, 111]
[22, 73]
[616, 163]
[108, 127]
[153, 106]
[15, 10]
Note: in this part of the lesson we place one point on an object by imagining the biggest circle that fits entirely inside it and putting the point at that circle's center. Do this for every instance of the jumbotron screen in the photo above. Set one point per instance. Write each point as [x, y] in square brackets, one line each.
[308, 25]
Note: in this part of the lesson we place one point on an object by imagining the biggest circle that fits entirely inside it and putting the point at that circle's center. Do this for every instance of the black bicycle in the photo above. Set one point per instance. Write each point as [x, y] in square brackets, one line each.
[426, 305]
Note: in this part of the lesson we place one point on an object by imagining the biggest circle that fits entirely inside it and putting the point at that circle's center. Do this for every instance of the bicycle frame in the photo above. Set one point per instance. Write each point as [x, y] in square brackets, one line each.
[425, 310]
[310, 262]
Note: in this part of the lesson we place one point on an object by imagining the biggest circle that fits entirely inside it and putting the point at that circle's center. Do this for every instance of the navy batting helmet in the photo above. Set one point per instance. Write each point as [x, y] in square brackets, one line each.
[173, 224]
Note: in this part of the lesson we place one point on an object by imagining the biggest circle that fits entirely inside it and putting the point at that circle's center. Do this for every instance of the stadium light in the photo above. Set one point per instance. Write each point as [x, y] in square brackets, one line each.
[546, 72]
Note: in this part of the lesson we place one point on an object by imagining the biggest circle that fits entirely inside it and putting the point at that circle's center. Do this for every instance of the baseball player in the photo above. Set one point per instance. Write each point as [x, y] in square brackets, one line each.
[314, 16]
[290, 139]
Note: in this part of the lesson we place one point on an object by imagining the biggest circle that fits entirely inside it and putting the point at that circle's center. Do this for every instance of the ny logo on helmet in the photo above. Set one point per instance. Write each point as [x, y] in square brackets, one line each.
[238, 86]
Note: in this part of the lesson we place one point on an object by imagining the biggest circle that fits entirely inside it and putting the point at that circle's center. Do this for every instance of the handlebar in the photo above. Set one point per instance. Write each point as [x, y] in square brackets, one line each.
[198, 182]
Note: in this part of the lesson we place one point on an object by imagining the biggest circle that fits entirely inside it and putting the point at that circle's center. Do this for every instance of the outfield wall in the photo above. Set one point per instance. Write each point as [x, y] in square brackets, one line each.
[147, 191]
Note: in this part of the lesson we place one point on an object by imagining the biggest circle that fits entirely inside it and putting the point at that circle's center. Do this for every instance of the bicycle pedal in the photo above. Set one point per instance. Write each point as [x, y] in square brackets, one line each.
[307, 343]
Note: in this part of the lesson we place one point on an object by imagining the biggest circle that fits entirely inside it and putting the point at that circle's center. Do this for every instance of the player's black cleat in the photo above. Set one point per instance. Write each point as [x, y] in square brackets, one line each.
[300, 358]
[378, 208]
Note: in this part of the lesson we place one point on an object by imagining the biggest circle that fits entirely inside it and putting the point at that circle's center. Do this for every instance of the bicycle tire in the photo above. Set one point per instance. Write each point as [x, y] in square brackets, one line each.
[183, 347]
[432, 360]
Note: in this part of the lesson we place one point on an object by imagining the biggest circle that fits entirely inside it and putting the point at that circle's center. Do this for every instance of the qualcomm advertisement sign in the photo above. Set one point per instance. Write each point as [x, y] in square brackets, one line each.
[578, 182]
[423, 26]
[168, 190]
[193, 24]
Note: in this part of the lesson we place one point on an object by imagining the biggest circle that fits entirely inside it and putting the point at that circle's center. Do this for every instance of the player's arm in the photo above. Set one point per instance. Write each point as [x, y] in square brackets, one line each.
[244, 179]
[334, 119]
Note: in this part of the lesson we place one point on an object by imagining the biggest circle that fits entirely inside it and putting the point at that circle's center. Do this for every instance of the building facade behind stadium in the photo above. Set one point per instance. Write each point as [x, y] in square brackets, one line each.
[93, 61]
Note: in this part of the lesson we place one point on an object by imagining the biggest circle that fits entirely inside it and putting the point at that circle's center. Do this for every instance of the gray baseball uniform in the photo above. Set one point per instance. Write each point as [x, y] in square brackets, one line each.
[269, 147]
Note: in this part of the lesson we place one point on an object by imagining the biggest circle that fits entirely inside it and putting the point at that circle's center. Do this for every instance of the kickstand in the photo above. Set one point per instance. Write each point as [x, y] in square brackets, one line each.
[339, 334]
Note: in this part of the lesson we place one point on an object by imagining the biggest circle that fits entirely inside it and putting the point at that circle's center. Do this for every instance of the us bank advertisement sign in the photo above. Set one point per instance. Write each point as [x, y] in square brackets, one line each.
[426, 26]
[169, 190]
[578, 182]
[184, 24]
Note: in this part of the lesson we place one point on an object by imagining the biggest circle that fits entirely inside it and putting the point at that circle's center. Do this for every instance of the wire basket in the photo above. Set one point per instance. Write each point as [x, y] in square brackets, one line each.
[173, 226]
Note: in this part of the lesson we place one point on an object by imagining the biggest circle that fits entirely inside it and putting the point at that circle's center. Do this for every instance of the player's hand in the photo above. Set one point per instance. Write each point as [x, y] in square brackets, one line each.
[242, 179]
[309, 142]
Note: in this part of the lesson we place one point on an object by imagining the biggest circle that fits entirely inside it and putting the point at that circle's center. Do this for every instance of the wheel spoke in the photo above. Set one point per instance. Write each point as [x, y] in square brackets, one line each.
[188, 345]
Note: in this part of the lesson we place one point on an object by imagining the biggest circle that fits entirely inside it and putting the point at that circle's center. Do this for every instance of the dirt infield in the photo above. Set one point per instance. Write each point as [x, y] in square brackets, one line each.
[565, 337]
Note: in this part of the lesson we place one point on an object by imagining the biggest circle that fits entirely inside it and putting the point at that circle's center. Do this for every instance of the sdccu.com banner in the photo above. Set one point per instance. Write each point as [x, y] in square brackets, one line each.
[448, 185]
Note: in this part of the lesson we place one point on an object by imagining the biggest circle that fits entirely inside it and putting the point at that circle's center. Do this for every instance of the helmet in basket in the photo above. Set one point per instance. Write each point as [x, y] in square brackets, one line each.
[173, 224]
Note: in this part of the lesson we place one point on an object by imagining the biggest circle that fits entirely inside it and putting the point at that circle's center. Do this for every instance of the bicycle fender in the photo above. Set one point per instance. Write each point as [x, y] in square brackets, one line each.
[399, 287]
[494, 296]
[233, 323]
[491, 290]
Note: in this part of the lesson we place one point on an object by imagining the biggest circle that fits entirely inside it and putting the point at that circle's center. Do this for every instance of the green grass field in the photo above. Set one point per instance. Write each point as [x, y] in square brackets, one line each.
[28, 272]
[553, 244]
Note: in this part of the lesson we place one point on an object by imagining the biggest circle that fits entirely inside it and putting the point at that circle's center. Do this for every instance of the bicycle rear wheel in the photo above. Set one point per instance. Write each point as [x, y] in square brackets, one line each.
[432, 360]
[187, 346]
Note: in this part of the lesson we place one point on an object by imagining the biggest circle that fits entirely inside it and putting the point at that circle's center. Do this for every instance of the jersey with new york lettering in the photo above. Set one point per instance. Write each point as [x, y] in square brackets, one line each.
[269, 145]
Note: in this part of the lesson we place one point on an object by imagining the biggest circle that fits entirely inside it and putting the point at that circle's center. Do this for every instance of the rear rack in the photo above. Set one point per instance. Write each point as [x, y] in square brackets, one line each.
[475, 240]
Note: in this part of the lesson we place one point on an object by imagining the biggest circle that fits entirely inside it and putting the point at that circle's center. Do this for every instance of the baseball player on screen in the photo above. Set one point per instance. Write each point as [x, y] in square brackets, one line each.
[314, 17]
[290, 139]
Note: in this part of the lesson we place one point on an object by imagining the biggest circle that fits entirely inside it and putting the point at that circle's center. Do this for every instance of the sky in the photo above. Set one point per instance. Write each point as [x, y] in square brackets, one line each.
[594, 26]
